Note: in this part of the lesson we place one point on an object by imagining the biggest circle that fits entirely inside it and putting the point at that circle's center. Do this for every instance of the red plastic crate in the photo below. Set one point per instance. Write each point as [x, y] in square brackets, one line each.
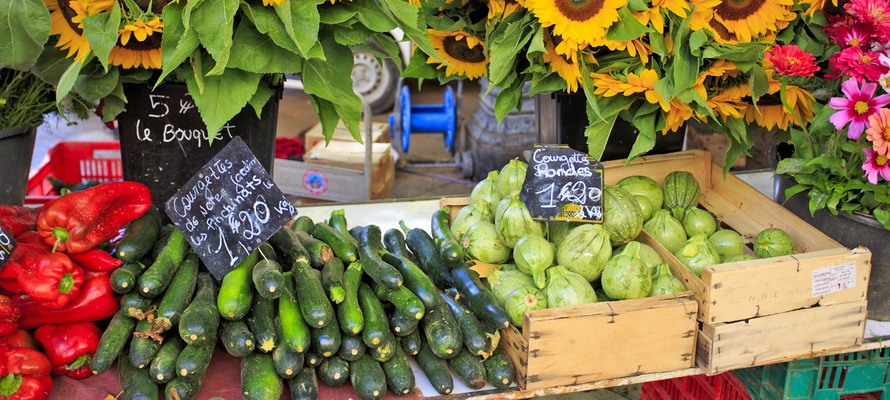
[725, 386]
[74, 162]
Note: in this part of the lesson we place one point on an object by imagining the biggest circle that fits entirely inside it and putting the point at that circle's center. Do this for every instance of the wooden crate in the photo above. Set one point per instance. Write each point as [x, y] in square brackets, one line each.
[599, 341]
[379, 134]
[764, 311]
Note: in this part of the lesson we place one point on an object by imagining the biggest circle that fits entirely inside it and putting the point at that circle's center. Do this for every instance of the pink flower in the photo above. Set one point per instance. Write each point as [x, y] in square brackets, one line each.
[875, 163]
[875, 12]
[790, 60]
[858, 105]
[857, 63]
[879, 130]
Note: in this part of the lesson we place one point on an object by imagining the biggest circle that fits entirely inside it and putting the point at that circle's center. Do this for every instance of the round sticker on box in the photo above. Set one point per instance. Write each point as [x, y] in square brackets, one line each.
[315, 181]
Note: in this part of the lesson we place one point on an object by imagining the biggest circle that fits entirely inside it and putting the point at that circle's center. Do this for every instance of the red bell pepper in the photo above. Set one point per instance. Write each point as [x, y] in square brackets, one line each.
[9, 316]
[95, 302]
[95, 260]
[24, 374]
[13, 268]
[34, 239]
[15, 225]
[50, 279]
[16, 211]
[70, 347]
[78, 221]
[19, 338]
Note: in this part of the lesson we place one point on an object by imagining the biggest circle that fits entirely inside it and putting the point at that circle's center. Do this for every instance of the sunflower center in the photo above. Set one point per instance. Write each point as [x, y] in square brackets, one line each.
[736, 10]
[579, 10]
[720, 30]
[860, 107]
[462, 52]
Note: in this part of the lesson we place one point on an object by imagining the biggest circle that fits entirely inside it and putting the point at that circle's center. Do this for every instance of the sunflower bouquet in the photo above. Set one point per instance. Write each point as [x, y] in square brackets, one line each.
[654, 63]
[229, 53]
[840, 159]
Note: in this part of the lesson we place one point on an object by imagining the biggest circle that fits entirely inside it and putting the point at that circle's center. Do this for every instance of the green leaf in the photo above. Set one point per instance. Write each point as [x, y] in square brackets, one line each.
[337, 13]
[260, 98]
[883, 216]
[503, 56]
[266, 21]
[790, 166]
[178, 43]
[234, 85]
[327, 115]
[257, 53]
[418, 68]
[735, 148]
[409, 19]
[372, 15]
[66, 82]
[317, 81]
[507, 100]
[758, 82]
[101, 31]
[214, 20]
[351, 36]
[302, 23]
[597, 134]
[627, 28]
[93, 83]
[685, 65]
[24, 28]
[644, 122]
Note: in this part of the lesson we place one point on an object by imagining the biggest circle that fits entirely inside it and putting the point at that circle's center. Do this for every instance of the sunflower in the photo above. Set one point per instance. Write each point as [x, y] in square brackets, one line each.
[144, 51]
[67, 22]
[654, 14]
[497, 9]
[749, 19]
[463, 54]
[566, 68]
[702, 14]
[770, 112]
[677, 115]
[584, 21]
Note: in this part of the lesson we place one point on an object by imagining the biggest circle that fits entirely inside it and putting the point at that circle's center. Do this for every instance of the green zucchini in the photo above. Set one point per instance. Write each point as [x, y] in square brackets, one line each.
[158, 275]
[267, 278]
[289, 247]
[394, 242]
[261, 321]
[314, 304]
[194, 358]
[124, 278]
[180, 389]
[478, 298]
[318, 252]
[302, 223]
[430, 261]
[135, 383]
[351, 347]
[376, 330]
[163, 367]
[405, 301]
[332, 279]
[236, 290]
[304, 386]
[499, 369]
[349, 312]
[342, 246]
[374, 266]
[475, 338]
[139, 237]
[201, 318]
[179, 292]
[401, 324]
[237, 338]
[313, 359]
[442, 332]
[449, 247]
[259, 380]
[338, 222]
[435, 369]
[294, 330]
[116, 335]
[135, 301]
[367, 378]
[163, 239]
[287, 362]
[469, 369]
[144, 344]
[267, 252]
[333, 371]
[355, 231]
[326, 340]
[399, 375]
[414, 279]
[411, 342]
[385, 351]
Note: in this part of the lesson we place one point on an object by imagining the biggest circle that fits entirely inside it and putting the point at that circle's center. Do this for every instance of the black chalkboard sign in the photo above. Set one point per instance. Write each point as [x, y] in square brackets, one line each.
[7, 246]
[562, 184]
[229, 208]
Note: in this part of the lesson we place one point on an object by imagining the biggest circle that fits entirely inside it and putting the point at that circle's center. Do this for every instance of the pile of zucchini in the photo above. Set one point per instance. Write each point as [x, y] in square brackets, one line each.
[317, 301]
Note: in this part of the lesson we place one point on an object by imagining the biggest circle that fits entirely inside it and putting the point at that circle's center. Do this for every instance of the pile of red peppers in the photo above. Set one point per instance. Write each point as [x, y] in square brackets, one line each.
[57, 283]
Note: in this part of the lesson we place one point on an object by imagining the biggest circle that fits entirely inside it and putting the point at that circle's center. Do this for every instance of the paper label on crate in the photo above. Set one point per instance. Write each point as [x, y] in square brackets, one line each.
[7, 246]
[834, 279]
[229, 208]
[562, 184]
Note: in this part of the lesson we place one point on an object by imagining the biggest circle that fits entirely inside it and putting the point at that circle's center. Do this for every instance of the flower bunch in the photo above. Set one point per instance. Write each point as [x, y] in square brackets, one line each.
[230, 53]
[653, 63]
[840, 159]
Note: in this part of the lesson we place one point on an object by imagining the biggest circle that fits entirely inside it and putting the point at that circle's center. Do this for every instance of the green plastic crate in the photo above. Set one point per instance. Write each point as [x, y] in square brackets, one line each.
[856, 375]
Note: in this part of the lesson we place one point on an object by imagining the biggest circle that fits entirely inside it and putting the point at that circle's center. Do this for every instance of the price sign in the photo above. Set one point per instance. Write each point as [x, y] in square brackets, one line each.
[229, 208]
[562, 184]
[7, 246]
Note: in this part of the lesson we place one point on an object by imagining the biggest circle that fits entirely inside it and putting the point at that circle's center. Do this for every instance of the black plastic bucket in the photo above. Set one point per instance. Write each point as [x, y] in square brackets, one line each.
[16, 149]
[164, 140]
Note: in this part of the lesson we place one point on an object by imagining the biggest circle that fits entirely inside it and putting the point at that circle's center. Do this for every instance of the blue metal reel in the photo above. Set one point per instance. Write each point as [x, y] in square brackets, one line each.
[415, 119]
